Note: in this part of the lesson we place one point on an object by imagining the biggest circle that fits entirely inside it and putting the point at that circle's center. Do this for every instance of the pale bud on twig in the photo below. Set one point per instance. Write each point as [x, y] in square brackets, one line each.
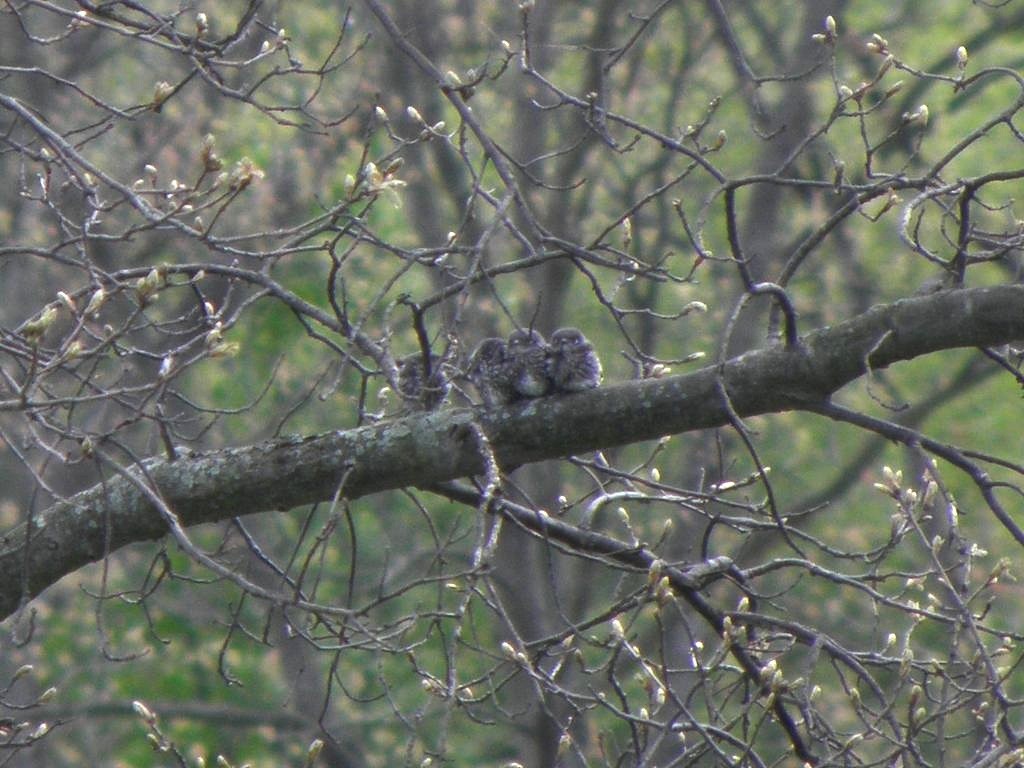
[20, 672]
[905, 660]
[618, 632]
[161, 92]
[886, 66]
[564, 742]
[893, 89]
[66, 300]
[313, 751]
[34, 329]
[144, 712]
[961, 57]
[165, 366]
[96, 302]
[838, 175]
[663, 592]
[47, 695]
[655, 571]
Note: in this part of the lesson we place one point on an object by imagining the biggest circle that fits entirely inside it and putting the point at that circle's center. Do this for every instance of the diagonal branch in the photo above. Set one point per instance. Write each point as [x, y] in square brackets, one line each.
[430, 448]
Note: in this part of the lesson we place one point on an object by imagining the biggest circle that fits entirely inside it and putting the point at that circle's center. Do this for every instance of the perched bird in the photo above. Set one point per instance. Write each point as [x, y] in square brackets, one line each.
[573, 364]
[419, 391]
[492, 373]
[529, 355]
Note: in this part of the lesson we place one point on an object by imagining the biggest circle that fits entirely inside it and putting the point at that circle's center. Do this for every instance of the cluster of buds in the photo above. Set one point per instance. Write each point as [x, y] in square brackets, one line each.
[878, 44]
[216, 345]
[242, 175]
[892, 484]
[919, 116]
[829, 36]
[34, 329]
[280, 41]
[374, 180]
[147, 287]
[211, 160]
[428, 130]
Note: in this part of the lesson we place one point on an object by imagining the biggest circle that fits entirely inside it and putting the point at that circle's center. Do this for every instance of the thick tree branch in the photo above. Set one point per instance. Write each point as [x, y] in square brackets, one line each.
[427, 449]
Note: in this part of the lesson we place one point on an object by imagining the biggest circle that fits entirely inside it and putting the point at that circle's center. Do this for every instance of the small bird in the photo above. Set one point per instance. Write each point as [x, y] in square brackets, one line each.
[419, 391]
[573, 365]
[492, 373]
[529, 355]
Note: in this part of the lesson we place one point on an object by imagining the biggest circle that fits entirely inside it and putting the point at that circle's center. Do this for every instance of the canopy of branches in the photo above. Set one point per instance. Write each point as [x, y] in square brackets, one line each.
[290, 478]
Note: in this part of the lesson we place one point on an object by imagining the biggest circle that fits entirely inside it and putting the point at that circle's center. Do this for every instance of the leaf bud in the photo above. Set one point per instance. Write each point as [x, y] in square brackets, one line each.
[161, 92]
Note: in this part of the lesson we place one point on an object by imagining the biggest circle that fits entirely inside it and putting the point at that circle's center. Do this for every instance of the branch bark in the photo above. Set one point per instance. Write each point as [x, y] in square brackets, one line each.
[431, 448]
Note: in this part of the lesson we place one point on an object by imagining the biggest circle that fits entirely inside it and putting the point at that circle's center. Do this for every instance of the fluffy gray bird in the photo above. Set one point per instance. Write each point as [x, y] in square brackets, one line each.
[573, 365]
[529, 355]
[492, 372]
[418, 391]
